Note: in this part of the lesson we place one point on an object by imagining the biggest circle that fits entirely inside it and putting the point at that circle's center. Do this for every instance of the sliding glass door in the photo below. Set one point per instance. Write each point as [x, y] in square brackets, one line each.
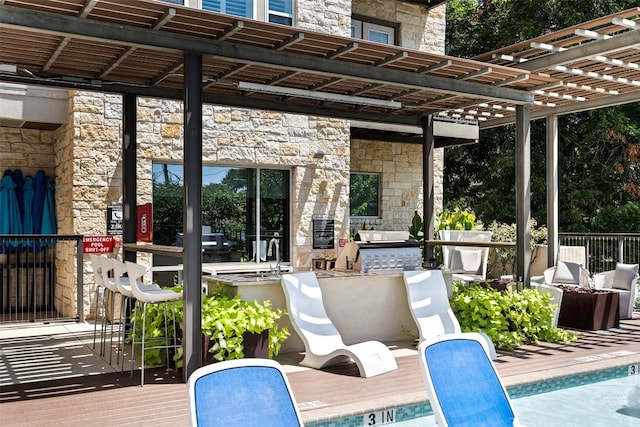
[245, 212]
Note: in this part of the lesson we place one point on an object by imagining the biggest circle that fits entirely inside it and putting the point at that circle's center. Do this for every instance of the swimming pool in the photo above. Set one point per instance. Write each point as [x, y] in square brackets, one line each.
[605, 398]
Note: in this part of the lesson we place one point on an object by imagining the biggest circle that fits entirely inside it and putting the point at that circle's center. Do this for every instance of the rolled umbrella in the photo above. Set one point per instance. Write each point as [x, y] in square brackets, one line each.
[27, 217]
[19, 180]
[10, 221]
[49, 211]
[39, 190]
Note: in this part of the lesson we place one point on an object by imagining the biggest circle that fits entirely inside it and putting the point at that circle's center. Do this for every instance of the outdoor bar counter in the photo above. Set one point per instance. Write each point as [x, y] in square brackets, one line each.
[362, 306]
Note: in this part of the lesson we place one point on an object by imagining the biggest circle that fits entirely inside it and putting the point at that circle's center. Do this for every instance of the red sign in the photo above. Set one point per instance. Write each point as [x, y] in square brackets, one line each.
[145, 226]
[98, 244]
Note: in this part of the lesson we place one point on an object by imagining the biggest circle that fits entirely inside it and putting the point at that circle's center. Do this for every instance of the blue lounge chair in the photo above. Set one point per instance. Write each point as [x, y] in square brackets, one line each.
[463, 386]
[242, 393]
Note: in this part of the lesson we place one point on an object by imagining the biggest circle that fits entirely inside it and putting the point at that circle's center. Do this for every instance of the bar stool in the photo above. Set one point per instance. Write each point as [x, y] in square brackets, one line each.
[119, 269]
[99, 309]
[145, 297]
[110, 279]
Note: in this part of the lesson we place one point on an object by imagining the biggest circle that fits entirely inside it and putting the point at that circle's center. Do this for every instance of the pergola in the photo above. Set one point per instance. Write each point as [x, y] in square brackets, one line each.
[148, 48]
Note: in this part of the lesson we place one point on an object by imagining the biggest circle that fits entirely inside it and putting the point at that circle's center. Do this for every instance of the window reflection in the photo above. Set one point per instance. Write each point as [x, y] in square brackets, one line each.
[245, 212]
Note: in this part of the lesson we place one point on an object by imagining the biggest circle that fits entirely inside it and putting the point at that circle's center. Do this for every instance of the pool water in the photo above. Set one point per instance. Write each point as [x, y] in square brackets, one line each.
[599, 404]
[607, 398]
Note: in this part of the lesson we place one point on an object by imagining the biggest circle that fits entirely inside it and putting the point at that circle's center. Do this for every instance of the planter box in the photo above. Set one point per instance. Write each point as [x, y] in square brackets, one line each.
[255, 345]
[588, 310]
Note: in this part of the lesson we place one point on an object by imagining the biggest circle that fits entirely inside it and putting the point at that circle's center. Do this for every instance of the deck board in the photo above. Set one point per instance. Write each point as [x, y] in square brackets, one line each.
[111, 399]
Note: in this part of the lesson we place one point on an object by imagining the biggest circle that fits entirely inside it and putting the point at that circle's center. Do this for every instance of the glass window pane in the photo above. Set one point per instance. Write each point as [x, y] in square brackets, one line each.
[378, 36]
[231, 7]
[364, 195]
[229, 212]
[274, 213]
[282, 20]
[282, 6]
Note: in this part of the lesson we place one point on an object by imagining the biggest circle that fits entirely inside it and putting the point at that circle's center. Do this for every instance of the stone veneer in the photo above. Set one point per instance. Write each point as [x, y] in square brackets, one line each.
[88, 158]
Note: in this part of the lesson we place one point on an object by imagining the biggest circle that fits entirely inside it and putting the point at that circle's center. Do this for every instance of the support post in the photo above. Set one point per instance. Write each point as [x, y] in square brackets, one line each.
[192, 214]
[523, 194]
[428, 184]
[129, 179]
[553, 244]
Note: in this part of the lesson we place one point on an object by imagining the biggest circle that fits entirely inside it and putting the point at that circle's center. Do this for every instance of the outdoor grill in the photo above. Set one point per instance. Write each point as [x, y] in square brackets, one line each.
[380, 251]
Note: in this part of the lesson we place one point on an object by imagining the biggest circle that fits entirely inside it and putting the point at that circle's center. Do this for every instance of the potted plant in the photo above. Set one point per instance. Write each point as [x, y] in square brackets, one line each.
[231, 328]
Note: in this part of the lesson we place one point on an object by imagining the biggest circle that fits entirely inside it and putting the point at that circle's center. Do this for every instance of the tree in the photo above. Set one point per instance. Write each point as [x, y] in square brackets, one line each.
[599, 151]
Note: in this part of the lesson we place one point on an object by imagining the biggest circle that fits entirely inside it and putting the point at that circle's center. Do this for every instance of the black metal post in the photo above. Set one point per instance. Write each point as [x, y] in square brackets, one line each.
[192, 214]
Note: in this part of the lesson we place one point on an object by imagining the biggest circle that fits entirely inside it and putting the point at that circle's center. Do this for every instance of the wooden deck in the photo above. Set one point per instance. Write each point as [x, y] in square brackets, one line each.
[107, 398]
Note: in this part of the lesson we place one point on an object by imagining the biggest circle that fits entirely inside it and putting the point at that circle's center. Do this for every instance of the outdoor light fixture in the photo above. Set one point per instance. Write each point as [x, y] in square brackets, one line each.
[314, 94]
[318, 154]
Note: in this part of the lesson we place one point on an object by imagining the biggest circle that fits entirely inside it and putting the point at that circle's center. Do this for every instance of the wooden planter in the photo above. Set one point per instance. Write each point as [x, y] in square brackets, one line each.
[255, 345]
[588, 310]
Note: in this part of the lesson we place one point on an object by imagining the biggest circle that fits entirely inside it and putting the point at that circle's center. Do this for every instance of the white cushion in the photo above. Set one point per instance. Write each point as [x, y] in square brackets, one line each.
[567, 272]
[624, 275]
[469, 260]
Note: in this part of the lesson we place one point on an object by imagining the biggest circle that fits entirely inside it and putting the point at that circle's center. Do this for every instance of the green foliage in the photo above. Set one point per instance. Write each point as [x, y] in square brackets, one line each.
[510, 319]
[505, 258]
[416, 227]
[456, 220]
[224, 317]
[157, 331]
[599, 150]
[364, 190]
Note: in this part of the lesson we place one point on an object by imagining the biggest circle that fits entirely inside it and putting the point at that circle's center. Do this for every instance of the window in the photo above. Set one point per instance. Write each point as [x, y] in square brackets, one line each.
[248, 208]
[230, 7]
[375, 30]
[281, 12]
[174, 1]
[276, 11]
[364, 198]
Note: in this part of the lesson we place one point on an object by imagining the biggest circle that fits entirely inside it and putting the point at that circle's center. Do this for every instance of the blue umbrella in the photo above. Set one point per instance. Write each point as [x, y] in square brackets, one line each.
[10, 221]
[39, 190]
[17, 178]
[49, 210]
[27, 217]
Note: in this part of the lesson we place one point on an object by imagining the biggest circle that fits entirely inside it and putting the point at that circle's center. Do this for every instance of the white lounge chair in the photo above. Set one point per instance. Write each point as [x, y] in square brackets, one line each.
[322, 341]
[624, 281]
[556, 298]
[468, 263]
[567, 273]
[462, 384]
[430, 309]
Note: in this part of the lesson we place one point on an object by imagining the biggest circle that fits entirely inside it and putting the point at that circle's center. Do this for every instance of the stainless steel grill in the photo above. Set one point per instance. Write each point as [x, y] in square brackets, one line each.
[380, 251]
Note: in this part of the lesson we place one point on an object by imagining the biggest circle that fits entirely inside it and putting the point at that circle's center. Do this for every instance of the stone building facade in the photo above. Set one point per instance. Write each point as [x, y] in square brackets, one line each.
[85, 154]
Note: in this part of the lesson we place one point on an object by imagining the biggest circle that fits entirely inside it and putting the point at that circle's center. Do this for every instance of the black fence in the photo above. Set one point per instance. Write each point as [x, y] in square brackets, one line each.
[28, 278]
[603, 251]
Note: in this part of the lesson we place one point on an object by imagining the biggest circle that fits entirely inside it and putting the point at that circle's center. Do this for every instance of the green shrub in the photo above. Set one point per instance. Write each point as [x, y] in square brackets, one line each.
[224, 318]
[510, 319]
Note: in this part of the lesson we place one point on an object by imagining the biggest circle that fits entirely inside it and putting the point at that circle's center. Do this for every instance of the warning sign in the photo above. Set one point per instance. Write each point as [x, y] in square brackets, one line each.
[98, 244]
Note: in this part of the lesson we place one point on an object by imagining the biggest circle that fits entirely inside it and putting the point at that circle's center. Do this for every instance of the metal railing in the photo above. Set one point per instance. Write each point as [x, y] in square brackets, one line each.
[605, 250]
[28, 278]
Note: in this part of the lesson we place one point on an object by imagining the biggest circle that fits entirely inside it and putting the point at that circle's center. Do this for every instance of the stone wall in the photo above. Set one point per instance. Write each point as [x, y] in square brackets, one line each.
[400, 167]
[326, 16]
[420, 28]
[242, 137]
[86, 155]
[401, 164]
